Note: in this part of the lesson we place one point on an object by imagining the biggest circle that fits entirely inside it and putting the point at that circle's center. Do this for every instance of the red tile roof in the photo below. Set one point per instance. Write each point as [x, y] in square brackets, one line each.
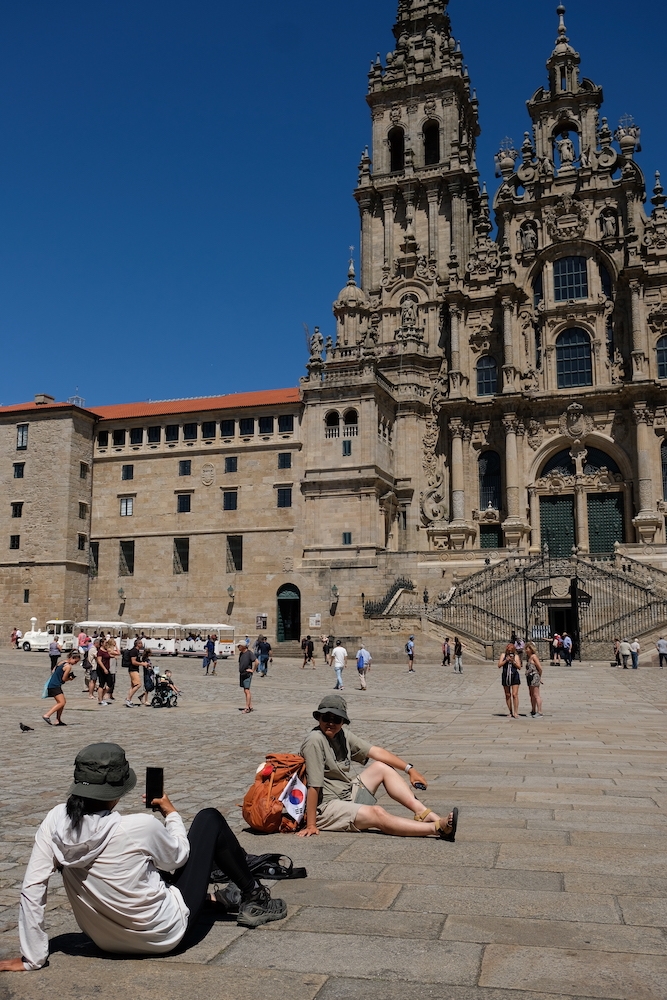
[130, 411]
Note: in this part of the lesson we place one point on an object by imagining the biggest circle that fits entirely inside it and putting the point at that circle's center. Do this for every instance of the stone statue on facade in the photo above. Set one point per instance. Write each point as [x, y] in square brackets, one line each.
[528, 238]
[609, 224]
[409, 315]
[566, 150]
[316, 345]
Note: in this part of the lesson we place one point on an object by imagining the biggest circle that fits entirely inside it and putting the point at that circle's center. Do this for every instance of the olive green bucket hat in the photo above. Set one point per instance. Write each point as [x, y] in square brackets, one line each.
[101, 772]
[332, 704]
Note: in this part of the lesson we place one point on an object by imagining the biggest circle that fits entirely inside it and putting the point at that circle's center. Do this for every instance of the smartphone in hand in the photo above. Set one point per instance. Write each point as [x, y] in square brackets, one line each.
[154, 785]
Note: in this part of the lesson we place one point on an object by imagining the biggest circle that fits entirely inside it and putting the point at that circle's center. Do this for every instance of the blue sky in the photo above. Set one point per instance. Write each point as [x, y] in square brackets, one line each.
[176, 177]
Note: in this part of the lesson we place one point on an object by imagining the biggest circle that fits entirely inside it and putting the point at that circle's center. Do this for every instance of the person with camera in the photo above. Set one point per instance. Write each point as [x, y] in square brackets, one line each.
[510, 664]
[112, 868]
[59, 676]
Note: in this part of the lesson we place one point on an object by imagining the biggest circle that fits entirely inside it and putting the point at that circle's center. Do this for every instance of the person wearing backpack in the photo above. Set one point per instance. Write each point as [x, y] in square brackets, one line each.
[132, 661]
[364, 660]
[410, 653]
[338, 802]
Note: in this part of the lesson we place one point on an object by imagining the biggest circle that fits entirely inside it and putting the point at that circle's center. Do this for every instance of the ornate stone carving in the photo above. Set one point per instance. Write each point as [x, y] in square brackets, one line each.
[568, 219]
[535, 434]
[208, 475]
[432, 499]
[574, 423]
[396, 113]
[395, 625]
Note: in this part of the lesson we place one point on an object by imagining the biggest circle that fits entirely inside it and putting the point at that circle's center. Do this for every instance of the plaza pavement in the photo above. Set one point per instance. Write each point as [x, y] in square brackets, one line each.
[556, 886]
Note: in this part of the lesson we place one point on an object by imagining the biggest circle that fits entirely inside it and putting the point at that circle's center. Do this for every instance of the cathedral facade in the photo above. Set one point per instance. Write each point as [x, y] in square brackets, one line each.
[486, 397]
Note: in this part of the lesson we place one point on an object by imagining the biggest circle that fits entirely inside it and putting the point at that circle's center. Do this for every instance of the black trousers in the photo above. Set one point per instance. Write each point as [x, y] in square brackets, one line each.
[54, 661]
[211, 841]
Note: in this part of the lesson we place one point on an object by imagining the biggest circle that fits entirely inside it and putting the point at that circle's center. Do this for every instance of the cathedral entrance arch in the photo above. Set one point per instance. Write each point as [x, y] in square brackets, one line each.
[289, 613]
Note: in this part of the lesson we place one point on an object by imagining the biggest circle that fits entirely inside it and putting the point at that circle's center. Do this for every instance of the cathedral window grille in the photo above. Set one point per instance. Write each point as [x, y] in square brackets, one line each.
[489, 481]
[487, 376]
[396, 150]
[573, 359]
[662, 357]
[431, 143]
[663, 455]
[570, 279]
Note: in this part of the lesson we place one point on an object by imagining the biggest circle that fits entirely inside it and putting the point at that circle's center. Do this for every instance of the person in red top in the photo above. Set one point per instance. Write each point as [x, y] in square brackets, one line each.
[103, 673]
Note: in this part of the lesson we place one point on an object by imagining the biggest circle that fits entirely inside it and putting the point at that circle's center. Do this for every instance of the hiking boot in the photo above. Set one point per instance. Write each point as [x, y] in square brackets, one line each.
[257, 908]
[229, 897]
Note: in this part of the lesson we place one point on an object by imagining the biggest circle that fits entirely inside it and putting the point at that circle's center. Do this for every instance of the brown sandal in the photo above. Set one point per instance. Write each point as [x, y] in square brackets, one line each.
[421, 817]
[440, 829]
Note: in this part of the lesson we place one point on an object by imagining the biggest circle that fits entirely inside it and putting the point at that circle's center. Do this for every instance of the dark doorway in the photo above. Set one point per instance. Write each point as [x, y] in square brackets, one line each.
[289, 613]
[562, 620]
[557, 525]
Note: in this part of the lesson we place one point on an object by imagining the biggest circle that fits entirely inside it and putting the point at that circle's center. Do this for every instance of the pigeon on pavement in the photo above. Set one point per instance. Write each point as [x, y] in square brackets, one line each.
[26, 729]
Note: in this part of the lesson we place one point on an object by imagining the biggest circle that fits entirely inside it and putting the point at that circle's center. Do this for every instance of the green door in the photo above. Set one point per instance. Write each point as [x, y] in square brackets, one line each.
[605, 521]
[289, 613]
[557, 524]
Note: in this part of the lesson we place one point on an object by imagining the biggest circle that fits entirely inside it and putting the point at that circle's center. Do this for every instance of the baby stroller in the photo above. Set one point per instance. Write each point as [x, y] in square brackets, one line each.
[164, 696]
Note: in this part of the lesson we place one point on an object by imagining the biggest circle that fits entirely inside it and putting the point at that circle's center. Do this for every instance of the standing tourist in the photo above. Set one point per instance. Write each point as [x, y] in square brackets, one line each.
[556, 644]
[60, 676]
[634, 653]
[410, 652]
[82, 642]
[263, 655]
[458, 655]
[12, 638]
[149, 682]
[510, 664]
[210, 655]
[534, 680]
[132, 661]
[617, 652]
[626, 652]
[19, 636]
[364, 660]
[55, 650]
[446, 652]
[247, 663]
[326, 648]
[103, 673]
[308, 647]
[339, 662]
[567, 649]
[89, 662]
[661, 646]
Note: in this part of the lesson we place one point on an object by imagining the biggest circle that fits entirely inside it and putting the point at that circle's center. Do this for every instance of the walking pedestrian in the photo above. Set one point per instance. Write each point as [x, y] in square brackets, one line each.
[510, 664]
[556, 645]
[339, 662]
[626, 653]
[458, 655]
[103, 671]
[634, 653]
[132, 661]
[567, 649]
[90, 666]
[149, 682]
[534, 680]
[661, 646]
[60, 676]
[55, 649]
[263, 655]
[326, 649]
[446, 652]
[364, 660]
[308, 647]
[410, 651]
[247, 663]
[12, 638]
[19, 636]
[114, 653]
[617, 652]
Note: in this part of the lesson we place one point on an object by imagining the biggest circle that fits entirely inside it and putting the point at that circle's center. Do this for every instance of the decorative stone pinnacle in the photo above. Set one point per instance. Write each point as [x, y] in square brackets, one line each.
[351, 274]
[658, 198]
[562, 30]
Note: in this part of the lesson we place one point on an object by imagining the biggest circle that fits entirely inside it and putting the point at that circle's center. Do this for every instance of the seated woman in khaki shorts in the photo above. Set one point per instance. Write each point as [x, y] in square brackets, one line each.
[337, 802]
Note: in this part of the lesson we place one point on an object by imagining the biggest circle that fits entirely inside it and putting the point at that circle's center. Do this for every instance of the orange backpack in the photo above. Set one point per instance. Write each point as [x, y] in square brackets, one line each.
[262, 808]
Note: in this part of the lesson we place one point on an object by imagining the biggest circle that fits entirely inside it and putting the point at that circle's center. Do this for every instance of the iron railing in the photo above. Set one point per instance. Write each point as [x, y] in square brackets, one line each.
[374, 608]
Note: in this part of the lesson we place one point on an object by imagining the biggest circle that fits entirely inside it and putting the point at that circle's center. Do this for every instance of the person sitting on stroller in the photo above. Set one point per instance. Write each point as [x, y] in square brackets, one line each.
[166, 692]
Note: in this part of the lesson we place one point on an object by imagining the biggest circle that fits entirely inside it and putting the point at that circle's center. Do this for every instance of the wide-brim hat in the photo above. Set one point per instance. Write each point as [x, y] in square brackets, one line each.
[332, 704]
[101, 772]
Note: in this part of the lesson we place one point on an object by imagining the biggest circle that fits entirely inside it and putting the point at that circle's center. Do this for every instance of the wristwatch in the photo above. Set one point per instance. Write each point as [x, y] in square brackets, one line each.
[408, 768]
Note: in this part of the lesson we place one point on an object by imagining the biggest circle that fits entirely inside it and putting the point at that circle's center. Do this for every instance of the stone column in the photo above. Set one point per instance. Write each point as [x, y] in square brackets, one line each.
[367, 255]
[508, 347]
[647, 522]
[510, 424]
[433, 205]
[458, 480]
[455, 346]
[638, 352]
[535, 526]
[581, 504]
[388, 208]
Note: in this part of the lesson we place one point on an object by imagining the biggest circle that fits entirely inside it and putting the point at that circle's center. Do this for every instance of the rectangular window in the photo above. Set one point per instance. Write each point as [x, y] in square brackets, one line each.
[15, 541]
[127, 473]
[266, 425]
[247, 426]
[93, 558]
[181, 555]
[83, 511]
[126, 559]
[118, 439]
[286, 423]
[347, 538]
[83, 470]
[126, 506]
[347, 449]
[208, 430]
[154, 435]
[17, 510]
[231, 464]
[19, 469]
[234, 553]
[103, 439]
[137, 435]
[26, 597]
[190, 432]
[227, 428]
[230, 500]
[171, 432]
[185, 468]
[285, 460]
[21, 437]
[183, 503]
[81, 543]
[285, 496]
[570, 279]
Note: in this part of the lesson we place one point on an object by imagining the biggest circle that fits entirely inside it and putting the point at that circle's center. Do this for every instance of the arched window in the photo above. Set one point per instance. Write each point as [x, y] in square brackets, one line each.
[489, 480]
[597, 460]
[661, 350]
[573, 359]
[397, 149]
[562, 464]
[351, 424]
[663, 455]
[332, 423]
[487, 376]
[431, 143]
[570, 279]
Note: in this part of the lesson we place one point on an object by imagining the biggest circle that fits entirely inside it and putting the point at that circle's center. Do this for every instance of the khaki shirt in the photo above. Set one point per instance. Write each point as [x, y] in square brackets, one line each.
[329, 764]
